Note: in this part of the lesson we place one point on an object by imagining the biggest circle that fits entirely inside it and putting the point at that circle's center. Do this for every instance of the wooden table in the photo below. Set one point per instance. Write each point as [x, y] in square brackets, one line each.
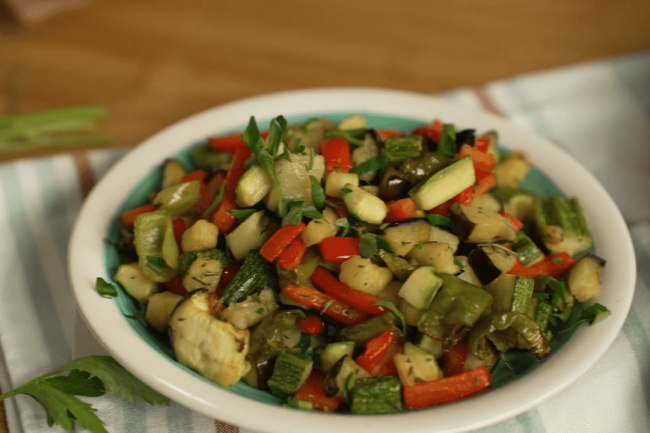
[153, 62]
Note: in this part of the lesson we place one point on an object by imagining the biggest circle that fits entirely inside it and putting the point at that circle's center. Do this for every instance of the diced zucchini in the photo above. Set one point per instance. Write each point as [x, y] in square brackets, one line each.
[249, 235]
[173, 172]
[252, 310]
[363, 275]
[294, 178]
[333, 352]
[421, 287]
[355, 121]
[321, 228]
[417, 368]
[291, 370]
[347, 367]
[404, 236]
[438, 234]
[562, 225]
[516, 202]
[186, 259]
[428, 344]
[363, 153]
[204, 273]
[511, 293]
[364, 206]
[159, 307]
[372, 189]
[529, 254]
[543, 314]
[255, 274]
[444, 184]
[437, 254]
[309, 134]
[337, 180]
[412, 349]
[376, 395]
[253, 186]
[584, 278]
[203, 235]
[480, 222]
[136, 284]
[512, 170]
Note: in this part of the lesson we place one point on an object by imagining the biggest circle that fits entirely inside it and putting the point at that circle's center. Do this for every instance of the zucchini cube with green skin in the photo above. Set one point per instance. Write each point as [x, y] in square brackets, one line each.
[511, 293]
[377, 395]
[291, 370]
[417, 368]
[421, 287]
[444, 184]
[249, 235]
[364, 206]
[333, 352]
[253, 186]
[136, 284]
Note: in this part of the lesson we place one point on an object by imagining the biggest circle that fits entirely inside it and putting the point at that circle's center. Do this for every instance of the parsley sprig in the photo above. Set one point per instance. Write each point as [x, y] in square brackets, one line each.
[90, 376]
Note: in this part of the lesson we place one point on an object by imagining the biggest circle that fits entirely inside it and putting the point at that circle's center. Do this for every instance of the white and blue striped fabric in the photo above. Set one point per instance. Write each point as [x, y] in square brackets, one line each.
[599, 112]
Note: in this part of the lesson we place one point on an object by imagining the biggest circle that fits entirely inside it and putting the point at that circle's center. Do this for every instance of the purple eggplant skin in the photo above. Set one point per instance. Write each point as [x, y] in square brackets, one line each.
[466, 136]
[376, 136]
[599, 260]
[263, 371]
[393, 186]
[482, 266]
[329, 386]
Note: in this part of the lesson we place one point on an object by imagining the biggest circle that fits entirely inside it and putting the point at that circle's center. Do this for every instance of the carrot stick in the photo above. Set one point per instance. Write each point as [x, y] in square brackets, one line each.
[447, 389]
[313, 298]
[128, 217]
[280, 240]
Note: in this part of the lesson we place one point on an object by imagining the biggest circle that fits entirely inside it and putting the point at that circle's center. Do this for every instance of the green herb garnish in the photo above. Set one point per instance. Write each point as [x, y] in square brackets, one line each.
[105, 289]
[370, 244]
[394, 310]
[241, 214]
[439, 220]
[317, 193]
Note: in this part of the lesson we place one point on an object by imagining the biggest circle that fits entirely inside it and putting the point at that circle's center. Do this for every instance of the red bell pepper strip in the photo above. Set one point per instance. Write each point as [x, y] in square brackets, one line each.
[313, 390]
[214, 306]
[179, 227]
[386, 365]
[292, 255]
[482, 144]
[280, 240]
[336, 152]
[516, 224]
[237, 170]
[361, 301]
[199, 175]
[175, 285]
[465, 197]
[229, 273]
[312, 325]
[209, 191]
[483, 162]
[226, 143]
[341, 212]
[313, 298]
[453, 362]
[337, 250]
[484, 183]
[128, 217]
[447, 389]
[400, 210]
[388, 132]
[441, 209]
[376, 348]
[433, 131]
[553, 265]
[221, 218]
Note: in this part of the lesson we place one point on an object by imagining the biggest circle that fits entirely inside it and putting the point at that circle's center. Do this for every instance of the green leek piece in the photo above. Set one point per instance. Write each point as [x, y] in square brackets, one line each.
[527, 252]
[156, 246]
[375, 395]
[179, 199]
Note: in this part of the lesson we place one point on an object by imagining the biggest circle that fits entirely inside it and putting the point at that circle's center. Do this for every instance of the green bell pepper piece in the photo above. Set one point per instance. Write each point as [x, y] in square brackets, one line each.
[495, 326]
[267, 339]
[179, 199]
[458, 304]
[156, 246]
[362, 332]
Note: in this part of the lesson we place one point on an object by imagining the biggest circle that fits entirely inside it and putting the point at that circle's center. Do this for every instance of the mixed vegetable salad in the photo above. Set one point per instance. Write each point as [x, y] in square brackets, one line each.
[345, 268]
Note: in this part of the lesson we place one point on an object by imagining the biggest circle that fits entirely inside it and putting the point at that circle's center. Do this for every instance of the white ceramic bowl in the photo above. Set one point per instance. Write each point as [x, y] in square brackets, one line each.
[126, 344]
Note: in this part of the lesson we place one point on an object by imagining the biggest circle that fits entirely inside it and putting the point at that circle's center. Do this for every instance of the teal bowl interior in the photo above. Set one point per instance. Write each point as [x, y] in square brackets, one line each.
[536, 181]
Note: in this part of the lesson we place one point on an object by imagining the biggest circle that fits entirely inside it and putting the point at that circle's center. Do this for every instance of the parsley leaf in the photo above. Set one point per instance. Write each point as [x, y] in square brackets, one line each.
[351, 136]
[344, 191]
[310, 167]
[241, 214]
[594, 314]
[285, 153]
[345, 224]
[439, 220]
[348, 387]
[395, 311]
[370, 244]
[266, 156]
[299, 148]
[317, 193]
[105, 289]
[217, 201]
[91, 376]
[376, 163]
[156, 262]
[296, 212]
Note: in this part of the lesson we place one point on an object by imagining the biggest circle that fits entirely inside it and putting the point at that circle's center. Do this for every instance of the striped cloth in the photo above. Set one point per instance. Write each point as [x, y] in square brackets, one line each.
[599, 112]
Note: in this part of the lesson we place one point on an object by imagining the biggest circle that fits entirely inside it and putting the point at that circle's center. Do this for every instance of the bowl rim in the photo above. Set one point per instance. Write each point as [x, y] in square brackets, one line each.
[108, 325]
